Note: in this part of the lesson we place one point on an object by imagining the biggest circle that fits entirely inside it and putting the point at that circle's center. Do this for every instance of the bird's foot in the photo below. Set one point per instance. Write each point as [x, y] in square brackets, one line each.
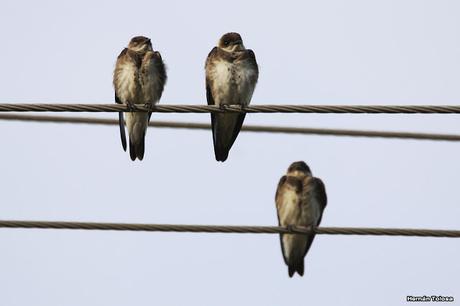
[290, 228]
[131, 107]
[149, 106]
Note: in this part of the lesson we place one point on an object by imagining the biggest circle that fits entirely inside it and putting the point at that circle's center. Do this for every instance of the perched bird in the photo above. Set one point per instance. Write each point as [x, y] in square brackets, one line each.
[139, 78]
[300, 201]
[231, 76]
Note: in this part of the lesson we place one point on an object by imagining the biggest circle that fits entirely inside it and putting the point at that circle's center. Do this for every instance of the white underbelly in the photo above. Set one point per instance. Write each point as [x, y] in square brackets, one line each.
[294, 213]
[294, 246]
[128, 89]
[232, 84]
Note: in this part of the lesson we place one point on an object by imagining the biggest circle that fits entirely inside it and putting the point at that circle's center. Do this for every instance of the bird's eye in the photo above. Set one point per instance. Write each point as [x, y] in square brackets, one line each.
[226, 42]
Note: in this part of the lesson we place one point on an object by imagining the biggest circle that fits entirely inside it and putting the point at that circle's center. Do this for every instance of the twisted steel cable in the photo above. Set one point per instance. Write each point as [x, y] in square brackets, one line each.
[320, 109]
[229, 229]
[247, 128]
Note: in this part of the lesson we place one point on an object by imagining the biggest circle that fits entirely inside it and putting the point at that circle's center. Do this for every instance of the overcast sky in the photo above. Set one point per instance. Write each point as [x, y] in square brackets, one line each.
[309, 52]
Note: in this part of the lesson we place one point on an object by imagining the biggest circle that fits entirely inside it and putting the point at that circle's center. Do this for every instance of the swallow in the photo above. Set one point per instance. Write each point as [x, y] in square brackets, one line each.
[139, 79]
[300, 201]
[231, 77]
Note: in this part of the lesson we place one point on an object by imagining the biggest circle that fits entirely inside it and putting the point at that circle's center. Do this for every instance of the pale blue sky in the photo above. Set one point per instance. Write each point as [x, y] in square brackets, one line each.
[309, 52]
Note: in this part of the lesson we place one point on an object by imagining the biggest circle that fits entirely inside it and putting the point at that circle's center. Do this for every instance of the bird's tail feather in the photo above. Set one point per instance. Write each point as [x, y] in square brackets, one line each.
[137, 138]
[136, 150]
[121, 123]
[221, 151]
[225, 129]
[298, 267]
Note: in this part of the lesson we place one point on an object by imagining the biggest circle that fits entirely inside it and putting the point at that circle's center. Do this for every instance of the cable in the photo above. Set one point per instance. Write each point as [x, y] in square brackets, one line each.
[229, 229]
[247, 128]
[320, 109]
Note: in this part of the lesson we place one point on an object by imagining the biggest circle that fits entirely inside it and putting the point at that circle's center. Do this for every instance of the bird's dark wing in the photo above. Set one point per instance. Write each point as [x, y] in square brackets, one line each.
[210, 100]
[319, 192]
[250, 57]
[161, 68]
[161, 71]
[121, 123]
[209, 97]
[278, 202]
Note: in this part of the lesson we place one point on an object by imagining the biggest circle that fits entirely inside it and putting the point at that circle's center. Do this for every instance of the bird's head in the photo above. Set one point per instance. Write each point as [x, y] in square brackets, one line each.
[299, 168]
[140, 44]
[231, 42]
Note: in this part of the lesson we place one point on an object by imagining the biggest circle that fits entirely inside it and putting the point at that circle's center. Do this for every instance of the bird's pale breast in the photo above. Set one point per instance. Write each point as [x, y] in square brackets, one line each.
[126, 82]
[289, 209]
[232, 82]
[295, 209]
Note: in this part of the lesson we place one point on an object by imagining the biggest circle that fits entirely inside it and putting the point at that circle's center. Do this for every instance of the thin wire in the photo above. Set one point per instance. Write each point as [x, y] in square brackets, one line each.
[320, 109]
[247, 128]
[229, 229]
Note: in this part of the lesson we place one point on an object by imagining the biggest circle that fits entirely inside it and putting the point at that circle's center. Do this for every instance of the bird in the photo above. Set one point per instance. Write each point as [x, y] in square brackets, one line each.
[231, 77]
[300, 201]
[139, 79]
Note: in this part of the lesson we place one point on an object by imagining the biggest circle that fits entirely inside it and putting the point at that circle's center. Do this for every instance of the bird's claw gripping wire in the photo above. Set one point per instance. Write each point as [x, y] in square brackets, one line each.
[130, 106]
[290, 228]
[225, 107]
[222, 107]
[149, 106]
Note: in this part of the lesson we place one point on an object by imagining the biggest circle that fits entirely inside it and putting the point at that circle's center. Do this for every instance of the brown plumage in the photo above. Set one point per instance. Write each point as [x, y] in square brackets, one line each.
[231, 77]
[139, 78]
[300, 201]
